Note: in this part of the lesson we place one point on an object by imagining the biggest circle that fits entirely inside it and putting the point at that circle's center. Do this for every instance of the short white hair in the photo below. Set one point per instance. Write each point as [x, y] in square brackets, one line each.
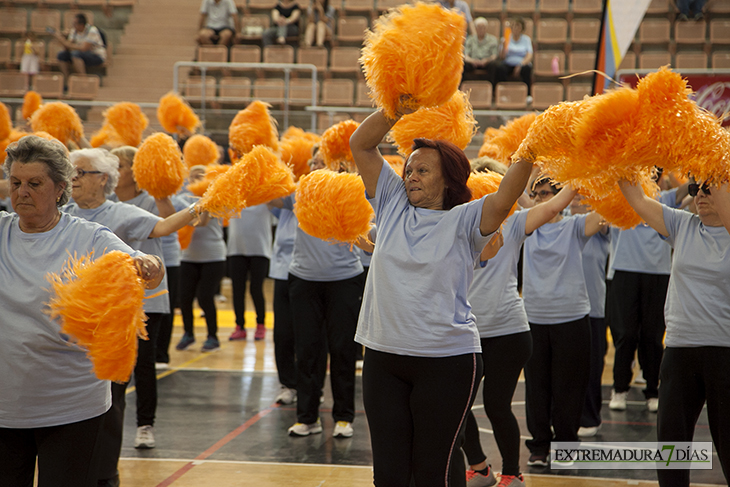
[480, 21]
[101, 160]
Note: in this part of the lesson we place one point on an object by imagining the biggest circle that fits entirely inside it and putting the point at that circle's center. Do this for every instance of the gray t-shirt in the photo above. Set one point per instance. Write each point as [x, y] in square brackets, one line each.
[44, 379]
[641, 249]
[554, 288]
[415, 300]
[207, 243]
[250, 233]
[219, 14]
[493, 295]
[697, 310]
[133, 225]
[281, 254]
[313, 259]
[595, 254]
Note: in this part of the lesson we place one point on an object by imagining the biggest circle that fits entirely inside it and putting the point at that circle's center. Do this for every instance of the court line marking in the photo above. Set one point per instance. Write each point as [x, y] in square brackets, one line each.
[216, 446]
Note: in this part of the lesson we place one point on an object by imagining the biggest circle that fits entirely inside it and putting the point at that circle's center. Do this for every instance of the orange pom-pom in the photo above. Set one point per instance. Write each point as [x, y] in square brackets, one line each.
[173, 112]
[185, 235]
[158, 166]
[3, 145]
[6, 125]
[452, 121]
[296, 153]
[128, 121]
[396, 162]
[199, 150]
[15, 135]
[59, 120]
[212, 171]
[253, 126]
[100, 305]
[509, 137]
[45, 135]
[106, 136]
[483, 183]
[614, 208]
[335, 145]
[296, 132]
[332, 206]
[414, 50]
[257, 178]
[31, 102]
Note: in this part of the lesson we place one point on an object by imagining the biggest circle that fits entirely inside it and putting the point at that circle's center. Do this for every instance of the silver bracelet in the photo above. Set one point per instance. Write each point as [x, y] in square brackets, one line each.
[191, 210]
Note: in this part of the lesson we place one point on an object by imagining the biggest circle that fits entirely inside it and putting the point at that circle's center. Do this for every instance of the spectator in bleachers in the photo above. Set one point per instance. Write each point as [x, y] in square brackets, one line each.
[320, 21]
[481, 51]
[218, 22]
[463, 8]
[516, 55]
[29, 63]
[83, 47]
[285, 17]
[691, 9]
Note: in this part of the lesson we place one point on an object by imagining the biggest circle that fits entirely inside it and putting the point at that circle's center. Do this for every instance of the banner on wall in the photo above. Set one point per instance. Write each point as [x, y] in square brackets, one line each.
[619, 23]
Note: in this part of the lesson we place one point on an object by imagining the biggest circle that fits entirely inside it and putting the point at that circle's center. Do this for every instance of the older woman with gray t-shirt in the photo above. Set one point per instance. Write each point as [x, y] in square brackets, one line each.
[697, 314]
[422, 363]
[51, 405]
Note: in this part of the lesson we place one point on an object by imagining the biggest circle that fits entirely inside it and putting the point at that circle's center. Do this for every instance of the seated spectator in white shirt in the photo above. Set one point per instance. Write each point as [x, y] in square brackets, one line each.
[83, 46]
[218, 22]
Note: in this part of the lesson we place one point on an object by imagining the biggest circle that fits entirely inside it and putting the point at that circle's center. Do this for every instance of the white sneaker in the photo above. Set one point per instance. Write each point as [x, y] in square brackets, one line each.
[343, 429]
[652, 404]
[301, 429]
[640, 378]
[588, 431]
[145, 438]
[359, 364]
[162, 365]
[528, 100]
[286, 395]
[618, 401]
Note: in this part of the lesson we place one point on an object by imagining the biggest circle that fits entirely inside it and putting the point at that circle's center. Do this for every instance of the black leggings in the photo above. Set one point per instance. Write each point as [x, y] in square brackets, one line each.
[163, 339]
[240, 267]
[416, 409]
[200, 279]
[504, 358]
[67, 455]
[690, 377]
[556, 379]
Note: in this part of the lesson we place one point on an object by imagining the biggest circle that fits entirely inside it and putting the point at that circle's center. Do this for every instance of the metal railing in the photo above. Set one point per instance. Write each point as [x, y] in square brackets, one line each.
[285, 67]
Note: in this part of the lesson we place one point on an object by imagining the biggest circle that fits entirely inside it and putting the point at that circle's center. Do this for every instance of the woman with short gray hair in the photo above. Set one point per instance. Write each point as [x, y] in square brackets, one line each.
[52, 405]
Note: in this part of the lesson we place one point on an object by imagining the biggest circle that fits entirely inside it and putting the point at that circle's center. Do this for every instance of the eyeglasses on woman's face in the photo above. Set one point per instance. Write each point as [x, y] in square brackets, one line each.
[80, 173]
[543, 193]
[695, 188]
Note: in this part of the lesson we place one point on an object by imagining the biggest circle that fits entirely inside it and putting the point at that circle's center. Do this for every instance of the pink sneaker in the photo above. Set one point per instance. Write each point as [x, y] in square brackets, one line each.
[238, 334]
[260, 332]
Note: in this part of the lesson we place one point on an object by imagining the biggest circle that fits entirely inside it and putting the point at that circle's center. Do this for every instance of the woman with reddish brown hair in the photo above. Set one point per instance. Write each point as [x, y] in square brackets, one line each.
[422, 363]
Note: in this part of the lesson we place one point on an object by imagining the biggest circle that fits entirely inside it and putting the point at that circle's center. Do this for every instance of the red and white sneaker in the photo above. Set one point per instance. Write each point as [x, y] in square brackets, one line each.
[238, 334]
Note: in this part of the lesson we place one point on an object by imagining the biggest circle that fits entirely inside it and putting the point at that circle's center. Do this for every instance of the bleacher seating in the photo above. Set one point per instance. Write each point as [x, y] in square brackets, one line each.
[83, 86]
[43, 18]
[361, 95]
[511, 95]
[279, 54]
[554, 7]
[337, 92]
[351, 29]
[577, 91]
[13, 20]
[5, 51]
[48, 85]
[245, 54]
[691, 60]
[654, 59]
[300, 91]
[480, 93]
[544, 64]
[547, 94]
[13, 84]
[486, 7]
[587, 6]
[345, 60]
[313, 55]
[721, 60]
[269, 90]
[690, 32]
[552, 31]
[234, 90]
[585, 31]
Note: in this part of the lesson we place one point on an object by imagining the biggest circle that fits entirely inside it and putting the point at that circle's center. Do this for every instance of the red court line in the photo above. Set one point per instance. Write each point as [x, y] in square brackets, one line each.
[217, 446]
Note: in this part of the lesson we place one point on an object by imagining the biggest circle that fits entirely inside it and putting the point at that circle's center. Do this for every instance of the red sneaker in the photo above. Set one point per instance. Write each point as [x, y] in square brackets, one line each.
[260, 333]
[238, 334]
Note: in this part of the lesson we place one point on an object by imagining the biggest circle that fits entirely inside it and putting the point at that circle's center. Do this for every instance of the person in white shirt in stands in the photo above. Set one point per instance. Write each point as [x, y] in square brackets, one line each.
[83, 47]
[697, 313]
[516, 55]
[218, 22]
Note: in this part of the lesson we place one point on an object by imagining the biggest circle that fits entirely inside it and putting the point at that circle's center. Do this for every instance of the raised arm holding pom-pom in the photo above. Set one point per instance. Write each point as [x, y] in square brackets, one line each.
[649, 209]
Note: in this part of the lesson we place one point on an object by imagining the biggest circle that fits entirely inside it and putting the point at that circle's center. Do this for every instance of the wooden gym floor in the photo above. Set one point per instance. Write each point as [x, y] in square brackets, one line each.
[217, 424]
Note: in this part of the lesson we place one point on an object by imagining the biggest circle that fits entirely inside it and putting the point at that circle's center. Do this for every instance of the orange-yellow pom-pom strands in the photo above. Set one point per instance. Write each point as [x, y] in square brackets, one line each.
[158, 166]
[59, 120]
[294, 132]
[212, 171]
[296, 153]
[6, 125]
[483, 183]
[253, 126]
[452, 121]
[185, 235]
[173, 112]
[509, 137]
[414, 50]
[100, 305]
[396, 162]
[335, 145]
[199, 150]
[332, 206]
[128, 122]
[257, 178]
[106, 136]
[32, 101]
